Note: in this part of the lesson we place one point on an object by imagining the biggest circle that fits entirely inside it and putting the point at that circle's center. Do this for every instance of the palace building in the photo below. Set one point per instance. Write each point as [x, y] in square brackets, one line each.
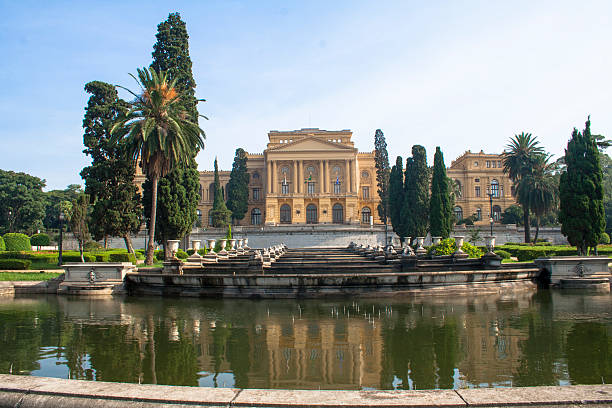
[480, 183]
[313, 176]
[306, 176]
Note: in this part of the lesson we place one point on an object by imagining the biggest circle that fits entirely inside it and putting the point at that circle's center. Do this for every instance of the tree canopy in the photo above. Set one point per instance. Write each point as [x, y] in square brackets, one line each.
[238, 186]
[440, 205]
[381, 161]
[396, 196]
[219, 213]
[415, 210]
[22, 202]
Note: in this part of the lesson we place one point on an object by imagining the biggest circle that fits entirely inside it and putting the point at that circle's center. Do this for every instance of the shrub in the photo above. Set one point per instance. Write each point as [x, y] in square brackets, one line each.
[190, 252]
[77, 258]
[2, 246]
[102, 257]
[605, 239]
[160, 255]
[92, 246]
[40, 240]
[180, 254]
[503, 254]
[15, 264]
[202, 251]
[122, 257]
[17, 242]
[448, 247]
[139, 255]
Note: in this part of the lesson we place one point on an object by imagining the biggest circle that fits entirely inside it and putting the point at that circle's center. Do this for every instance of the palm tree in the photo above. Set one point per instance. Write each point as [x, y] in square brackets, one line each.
[518, 159]
[538, 189]
[157, 131]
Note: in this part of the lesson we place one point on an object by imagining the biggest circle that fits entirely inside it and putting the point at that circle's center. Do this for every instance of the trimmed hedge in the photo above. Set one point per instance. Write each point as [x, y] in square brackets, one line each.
[14, 241]
[503, 254]
[529, 253]
[77, 258]
[122, 257]
[180, 254]
[2, 246]
[15, 264]
[40, 240]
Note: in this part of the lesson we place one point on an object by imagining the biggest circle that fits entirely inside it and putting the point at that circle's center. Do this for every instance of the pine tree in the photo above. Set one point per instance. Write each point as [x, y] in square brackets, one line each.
[220, 214]
[582, 214]
[440, 205]
[396, 195]
[109, 181]
[415, 211]
[381, 160]
[171, 54]
[238, 186]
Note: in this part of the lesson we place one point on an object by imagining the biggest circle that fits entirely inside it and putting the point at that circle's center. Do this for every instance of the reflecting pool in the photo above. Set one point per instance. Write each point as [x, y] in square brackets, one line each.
[543, 338]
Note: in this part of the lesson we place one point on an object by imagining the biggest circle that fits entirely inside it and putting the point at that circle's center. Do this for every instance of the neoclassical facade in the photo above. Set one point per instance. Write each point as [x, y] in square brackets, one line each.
[476, 176]
[306, 176]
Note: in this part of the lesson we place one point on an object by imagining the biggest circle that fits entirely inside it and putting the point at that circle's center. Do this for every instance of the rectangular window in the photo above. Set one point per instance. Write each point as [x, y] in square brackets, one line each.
[477, 180]
[499, 164]
[365, 192]
[494, 164]
[256, 194]
[477, 191]
[488, 163]
[285, 188]
[337, 188]
[311, 187]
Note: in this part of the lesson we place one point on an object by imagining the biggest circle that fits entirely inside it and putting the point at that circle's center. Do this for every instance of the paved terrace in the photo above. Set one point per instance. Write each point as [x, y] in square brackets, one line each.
[25, 391]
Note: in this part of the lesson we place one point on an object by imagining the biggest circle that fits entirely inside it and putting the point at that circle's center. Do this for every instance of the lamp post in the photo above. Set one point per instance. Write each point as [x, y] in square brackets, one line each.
[10, 213]
[490, 194]
[61, 238]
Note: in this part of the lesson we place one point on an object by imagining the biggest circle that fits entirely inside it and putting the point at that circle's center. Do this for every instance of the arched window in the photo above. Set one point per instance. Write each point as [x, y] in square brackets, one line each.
[478, 214]
[285, 214]
[366, 213]
[458, 211]
[201, 193]
[255, 216]
[211, 192]
[311, 214]
[497, 213]
[256, 176]
[199, 219]
[337, 214]
[495, 188]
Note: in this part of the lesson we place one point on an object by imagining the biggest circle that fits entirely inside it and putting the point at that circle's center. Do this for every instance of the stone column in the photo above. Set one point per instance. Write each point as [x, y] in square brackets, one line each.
[326, 175]
[354, 176]
[295, 177]
[269, 176]
[273, 185]
[321, 176]
[347, 177]
[300, 176]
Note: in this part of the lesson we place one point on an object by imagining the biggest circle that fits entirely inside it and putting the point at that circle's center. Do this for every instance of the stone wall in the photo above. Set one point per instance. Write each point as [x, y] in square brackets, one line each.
[320, 236]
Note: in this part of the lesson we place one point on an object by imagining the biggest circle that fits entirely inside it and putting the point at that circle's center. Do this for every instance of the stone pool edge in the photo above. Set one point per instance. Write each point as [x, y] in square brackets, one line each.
[26, 391]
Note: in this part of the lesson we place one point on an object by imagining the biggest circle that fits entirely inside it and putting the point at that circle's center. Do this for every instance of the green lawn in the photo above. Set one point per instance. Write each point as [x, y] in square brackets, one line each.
[27, 276]
[38, 264]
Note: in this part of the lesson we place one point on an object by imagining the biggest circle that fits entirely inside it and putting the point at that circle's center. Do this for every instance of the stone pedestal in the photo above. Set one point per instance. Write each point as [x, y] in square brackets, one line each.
[435, 240]
[420, 251]
[173, 245]
[94, 278]
[195, 257]
[558, 268]
[459, 243]
[173, 267]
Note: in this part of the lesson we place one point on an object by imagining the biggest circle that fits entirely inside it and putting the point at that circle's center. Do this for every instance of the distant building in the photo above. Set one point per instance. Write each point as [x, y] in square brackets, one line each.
[476, 175]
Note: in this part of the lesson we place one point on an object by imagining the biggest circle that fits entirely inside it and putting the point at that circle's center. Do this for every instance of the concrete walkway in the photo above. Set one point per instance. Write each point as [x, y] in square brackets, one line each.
[26, 391]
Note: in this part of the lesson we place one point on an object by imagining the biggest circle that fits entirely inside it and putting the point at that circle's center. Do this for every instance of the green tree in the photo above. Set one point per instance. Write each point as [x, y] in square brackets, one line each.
[109, 180]
[518, 158]
[79, 219]
[581, 192]
[220, 214]
[176, 193]
[512, 215]
[238, 186]
[440, 205]
[538, 190]
[54, 200]
[396, 196]
[381, 161]
[415, 211]
[171, 55]
[22, 202]
[606, 168]
[158, 133]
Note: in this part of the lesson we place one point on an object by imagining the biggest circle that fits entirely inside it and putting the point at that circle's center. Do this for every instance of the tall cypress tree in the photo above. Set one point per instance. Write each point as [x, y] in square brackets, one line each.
[396, 195]
[220, 214]
[109, 181]
[381, 160]
[581, 212]
[238, 186]
[171, 54]
[415, 211]
[440, 206]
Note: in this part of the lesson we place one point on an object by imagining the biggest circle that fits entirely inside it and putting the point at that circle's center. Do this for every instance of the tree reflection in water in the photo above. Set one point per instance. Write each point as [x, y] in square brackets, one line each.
[519, 340]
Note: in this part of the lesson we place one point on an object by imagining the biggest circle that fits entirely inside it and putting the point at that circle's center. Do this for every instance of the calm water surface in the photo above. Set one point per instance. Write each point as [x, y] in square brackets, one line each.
[544, 338]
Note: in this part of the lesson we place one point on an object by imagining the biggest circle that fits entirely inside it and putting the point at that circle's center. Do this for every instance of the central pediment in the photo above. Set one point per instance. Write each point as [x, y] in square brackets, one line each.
[311, 144]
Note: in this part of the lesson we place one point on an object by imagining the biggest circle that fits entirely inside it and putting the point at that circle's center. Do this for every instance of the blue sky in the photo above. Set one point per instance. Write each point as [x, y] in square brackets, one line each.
[458, 74]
